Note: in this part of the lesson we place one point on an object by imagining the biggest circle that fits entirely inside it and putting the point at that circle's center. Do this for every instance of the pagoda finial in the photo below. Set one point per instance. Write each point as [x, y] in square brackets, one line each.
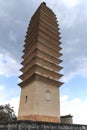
[44, 3]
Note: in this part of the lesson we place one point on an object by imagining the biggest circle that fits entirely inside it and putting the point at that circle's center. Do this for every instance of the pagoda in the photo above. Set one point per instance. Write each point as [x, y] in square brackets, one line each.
[40, 99]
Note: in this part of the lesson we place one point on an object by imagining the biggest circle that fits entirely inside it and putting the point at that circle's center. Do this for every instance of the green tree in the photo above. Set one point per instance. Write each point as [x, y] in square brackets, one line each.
[7, 113]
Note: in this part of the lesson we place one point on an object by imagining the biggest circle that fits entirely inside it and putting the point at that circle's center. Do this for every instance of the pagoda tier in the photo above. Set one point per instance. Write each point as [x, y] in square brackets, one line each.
[37, 77]
[42, 48]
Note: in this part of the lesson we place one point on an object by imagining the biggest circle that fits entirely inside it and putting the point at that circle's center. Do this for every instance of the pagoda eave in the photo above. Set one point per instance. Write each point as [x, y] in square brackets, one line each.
[37, 77]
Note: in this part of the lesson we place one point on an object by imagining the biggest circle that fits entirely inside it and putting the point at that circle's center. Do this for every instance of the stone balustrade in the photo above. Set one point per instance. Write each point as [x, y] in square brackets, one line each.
[32, 125]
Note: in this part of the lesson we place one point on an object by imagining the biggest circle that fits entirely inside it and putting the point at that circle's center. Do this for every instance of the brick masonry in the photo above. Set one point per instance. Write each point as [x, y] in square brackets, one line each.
[40, 118]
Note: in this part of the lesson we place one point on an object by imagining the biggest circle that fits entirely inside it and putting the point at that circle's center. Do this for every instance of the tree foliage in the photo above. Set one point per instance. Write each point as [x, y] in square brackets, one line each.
[7, 113]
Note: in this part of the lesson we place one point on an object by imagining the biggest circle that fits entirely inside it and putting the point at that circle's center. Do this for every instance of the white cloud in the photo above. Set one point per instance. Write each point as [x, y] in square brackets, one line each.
[77, 67]
[82, 68]
[14, 102]
[68, 76]
[8, 96]
[73, 21]
[64, 98]
[1, 88]
[8, 65]
[76, 107]
[71, 3]
[66, 11]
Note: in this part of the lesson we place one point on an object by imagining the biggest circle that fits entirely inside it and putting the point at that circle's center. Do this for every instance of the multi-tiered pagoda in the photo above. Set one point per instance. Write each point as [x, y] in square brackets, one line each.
[40, 84]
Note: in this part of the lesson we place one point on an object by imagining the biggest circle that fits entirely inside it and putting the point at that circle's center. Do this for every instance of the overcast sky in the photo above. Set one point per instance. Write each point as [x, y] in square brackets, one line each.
[72, 18]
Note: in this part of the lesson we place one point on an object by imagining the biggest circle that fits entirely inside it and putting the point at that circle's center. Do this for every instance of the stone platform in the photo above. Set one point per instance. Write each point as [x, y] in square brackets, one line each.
[35, 125]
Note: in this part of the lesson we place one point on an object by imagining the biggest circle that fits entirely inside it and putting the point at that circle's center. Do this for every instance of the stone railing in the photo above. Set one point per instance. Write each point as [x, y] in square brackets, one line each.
[32, 125]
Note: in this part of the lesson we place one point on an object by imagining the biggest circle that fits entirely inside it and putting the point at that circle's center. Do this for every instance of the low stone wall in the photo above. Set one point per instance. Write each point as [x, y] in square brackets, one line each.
[31, 125]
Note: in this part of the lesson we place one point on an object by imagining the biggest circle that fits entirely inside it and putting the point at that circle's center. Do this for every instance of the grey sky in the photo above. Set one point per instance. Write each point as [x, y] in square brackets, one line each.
[72, 17]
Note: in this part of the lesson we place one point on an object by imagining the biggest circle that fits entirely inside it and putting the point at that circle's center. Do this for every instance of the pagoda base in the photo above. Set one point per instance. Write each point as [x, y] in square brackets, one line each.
[40, 118]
